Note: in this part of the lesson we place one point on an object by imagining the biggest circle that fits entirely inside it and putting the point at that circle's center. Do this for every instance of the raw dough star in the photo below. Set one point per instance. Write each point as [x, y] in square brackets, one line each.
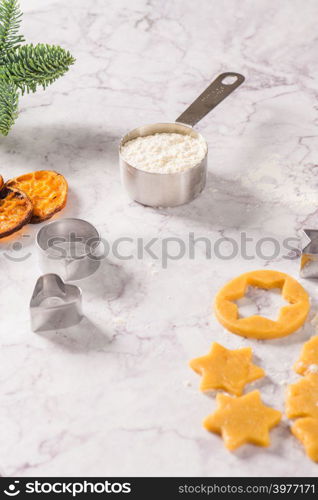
[306, 430]
[227, 370]
[302, 397]
[308, 361]
[242, 420]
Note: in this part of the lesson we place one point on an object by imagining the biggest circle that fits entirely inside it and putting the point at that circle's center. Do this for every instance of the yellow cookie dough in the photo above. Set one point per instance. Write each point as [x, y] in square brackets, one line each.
[242, 420]
[229, 370]
[306, 430]
[302, 397]
[291, 317]
[308, 361]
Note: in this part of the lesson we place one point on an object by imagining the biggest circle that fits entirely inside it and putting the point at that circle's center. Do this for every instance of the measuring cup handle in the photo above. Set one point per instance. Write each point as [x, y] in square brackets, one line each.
[211, 97]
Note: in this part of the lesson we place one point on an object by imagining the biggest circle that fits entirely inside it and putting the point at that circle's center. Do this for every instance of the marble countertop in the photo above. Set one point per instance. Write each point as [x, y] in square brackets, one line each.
[114, 395]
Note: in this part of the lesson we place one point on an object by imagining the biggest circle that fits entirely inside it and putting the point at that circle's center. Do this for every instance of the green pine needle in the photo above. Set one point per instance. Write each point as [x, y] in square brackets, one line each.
[23, 67]
[10, 18]
[32, 65]
[9, 98]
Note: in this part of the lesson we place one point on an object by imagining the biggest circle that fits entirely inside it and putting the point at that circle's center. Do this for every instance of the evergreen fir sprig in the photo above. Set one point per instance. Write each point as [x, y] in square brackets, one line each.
[23, 68]
[10, 18]
[32, 65]
[9, 99]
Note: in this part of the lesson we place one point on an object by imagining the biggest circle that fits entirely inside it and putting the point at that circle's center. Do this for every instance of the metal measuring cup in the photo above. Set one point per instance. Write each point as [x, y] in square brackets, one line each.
[171, 189]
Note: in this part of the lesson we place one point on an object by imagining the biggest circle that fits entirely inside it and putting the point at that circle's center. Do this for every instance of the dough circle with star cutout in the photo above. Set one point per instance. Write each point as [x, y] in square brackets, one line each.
[291, 317]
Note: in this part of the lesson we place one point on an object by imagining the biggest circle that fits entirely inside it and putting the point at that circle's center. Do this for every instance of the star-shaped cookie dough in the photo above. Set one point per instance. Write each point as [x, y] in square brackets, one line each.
[302, 397]
[308, 361]
[242, 420]
[306, 430]
[227, 370]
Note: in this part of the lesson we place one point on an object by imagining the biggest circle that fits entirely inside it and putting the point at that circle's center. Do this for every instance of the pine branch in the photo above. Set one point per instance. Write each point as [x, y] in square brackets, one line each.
[32, 65]
[8, 105]
[23, 67]
[10, 18]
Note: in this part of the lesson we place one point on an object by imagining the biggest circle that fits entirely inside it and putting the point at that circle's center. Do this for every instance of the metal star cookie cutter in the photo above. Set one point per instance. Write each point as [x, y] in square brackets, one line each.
[309, 255]
[54, 304]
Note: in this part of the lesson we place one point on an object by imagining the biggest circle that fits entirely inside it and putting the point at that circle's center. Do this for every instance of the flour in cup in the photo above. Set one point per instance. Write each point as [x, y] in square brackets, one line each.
[164, 153]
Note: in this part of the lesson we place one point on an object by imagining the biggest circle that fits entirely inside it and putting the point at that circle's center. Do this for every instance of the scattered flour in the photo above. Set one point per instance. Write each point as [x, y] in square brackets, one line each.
[314, 322]
[313, 368]
[279, 181]
[164, 153]
[119, 320]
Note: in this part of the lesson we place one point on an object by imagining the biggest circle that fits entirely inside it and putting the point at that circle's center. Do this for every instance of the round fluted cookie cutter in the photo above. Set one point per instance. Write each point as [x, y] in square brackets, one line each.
[171, 189]
[68, 247]
[291, 317]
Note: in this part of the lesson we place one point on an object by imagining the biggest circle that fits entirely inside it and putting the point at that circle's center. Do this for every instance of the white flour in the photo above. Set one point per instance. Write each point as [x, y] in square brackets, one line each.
[164, 153]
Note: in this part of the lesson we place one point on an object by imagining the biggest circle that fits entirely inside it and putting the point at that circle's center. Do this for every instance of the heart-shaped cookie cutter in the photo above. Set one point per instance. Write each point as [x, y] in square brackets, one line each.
[55, 304]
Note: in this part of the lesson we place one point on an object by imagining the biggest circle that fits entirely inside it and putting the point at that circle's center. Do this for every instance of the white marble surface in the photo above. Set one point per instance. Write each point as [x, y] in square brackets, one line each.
[114, 396]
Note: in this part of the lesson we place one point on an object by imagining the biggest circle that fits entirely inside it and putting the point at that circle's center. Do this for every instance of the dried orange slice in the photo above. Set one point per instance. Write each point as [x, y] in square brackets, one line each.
[47, 191]
[15, 210]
